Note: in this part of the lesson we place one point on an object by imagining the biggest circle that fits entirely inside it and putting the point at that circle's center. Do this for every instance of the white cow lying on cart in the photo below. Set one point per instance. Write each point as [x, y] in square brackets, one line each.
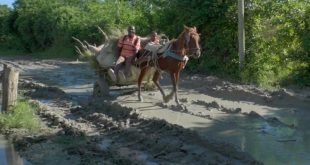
[103, 58]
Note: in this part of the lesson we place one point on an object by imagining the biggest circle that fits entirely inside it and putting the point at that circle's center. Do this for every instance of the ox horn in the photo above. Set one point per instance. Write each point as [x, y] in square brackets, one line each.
[78, 51]
[80, 42]
[94, 48]
[105, 36]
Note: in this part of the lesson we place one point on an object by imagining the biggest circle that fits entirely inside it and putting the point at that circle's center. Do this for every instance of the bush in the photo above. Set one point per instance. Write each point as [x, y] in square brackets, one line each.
[277, 32]
[277, 50]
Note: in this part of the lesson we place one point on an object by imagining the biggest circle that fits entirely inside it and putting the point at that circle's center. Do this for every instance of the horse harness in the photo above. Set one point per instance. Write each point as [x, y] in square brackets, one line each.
[152, 59]
[170, 53]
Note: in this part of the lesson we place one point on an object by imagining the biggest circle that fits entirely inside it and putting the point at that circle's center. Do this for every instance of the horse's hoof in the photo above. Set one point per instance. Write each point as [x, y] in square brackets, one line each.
[140, 99]
[166, 99]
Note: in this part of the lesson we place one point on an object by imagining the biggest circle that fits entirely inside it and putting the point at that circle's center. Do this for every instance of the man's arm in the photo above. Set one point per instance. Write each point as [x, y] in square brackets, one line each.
[119, 46]
[137, 44]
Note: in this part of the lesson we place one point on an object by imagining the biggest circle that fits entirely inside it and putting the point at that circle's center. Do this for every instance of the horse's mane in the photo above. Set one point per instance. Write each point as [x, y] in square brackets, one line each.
[180, 44]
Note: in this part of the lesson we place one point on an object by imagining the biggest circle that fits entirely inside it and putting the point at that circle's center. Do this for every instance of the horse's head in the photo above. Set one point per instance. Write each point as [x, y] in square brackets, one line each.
[192, 39]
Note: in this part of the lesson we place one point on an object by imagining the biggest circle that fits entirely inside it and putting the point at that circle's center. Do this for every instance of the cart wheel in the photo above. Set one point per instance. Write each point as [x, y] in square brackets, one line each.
[101, 88]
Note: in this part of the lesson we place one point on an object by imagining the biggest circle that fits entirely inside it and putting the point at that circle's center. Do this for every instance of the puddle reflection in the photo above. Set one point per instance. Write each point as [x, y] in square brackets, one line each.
[8, 155]
[269, 143]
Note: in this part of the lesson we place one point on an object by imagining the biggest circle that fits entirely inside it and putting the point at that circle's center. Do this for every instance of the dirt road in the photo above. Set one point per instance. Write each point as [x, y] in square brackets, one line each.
[219, 122]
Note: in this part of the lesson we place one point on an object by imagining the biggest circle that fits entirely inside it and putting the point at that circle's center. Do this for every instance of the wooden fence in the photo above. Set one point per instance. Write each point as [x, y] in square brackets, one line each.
[9, 87]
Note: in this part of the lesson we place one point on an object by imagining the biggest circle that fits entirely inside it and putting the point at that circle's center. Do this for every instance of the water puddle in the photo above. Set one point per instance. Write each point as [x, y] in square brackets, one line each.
[8, 156]
[267, 142]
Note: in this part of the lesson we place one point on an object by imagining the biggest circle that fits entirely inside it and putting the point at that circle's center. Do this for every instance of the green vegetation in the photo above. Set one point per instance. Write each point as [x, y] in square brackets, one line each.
[21, 116]
[278, 43]
[277, 32]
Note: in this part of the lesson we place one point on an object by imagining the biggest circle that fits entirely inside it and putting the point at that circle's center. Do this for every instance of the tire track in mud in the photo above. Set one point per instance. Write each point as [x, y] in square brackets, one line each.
[183, 108]
[165, 141]
[117, 134]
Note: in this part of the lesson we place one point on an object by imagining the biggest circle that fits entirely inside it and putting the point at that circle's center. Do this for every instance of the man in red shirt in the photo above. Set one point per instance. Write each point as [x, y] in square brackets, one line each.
[128, 46]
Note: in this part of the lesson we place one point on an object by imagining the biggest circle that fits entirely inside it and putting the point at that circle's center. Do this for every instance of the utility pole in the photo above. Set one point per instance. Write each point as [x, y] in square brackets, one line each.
[241, 36]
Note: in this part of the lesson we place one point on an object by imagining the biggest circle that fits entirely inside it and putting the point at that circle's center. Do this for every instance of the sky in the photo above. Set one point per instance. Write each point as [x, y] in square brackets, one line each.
[7, 2]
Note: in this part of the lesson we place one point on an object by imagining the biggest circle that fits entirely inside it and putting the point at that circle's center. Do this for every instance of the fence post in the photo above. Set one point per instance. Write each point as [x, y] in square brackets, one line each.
[241, 35]
[9, 87]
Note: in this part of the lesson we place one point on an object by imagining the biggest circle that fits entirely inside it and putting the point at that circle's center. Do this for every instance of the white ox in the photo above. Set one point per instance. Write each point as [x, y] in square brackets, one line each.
[103, 57]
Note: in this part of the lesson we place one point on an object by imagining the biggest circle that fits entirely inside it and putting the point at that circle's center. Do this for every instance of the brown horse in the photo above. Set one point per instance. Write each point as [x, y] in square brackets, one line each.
[172, 60]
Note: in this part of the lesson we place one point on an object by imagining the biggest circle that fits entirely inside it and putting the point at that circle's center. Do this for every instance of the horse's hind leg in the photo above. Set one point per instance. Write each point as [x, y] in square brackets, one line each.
[141, 76]
[156, 82]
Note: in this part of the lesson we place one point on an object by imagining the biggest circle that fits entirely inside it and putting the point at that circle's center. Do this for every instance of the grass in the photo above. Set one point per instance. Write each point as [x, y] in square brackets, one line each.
[21, 116]
[11, 52]
[55, 52]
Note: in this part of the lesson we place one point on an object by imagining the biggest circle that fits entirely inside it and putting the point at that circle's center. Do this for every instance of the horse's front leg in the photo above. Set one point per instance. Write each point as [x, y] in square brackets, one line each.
[174, 79]
[177, 75]
[141, 76]
[156, 82]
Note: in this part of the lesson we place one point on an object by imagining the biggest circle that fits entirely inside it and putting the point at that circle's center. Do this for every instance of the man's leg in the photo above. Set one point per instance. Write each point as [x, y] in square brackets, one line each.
[113, 73]
[128, 64]
[118, 64]
[119, 74]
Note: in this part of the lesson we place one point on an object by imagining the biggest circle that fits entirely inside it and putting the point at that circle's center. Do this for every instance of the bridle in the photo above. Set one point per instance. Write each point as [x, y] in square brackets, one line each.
[188, 38]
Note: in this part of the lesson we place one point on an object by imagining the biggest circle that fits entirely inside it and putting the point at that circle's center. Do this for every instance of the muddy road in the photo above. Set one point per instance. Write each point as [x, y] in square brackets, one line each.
[218, 122]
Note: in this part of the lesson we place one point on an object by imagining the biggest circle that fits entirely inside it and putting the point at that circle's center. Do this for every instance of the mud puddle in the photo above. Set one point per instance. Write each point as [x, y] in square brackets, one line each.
[276, 133]
[272, 144]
